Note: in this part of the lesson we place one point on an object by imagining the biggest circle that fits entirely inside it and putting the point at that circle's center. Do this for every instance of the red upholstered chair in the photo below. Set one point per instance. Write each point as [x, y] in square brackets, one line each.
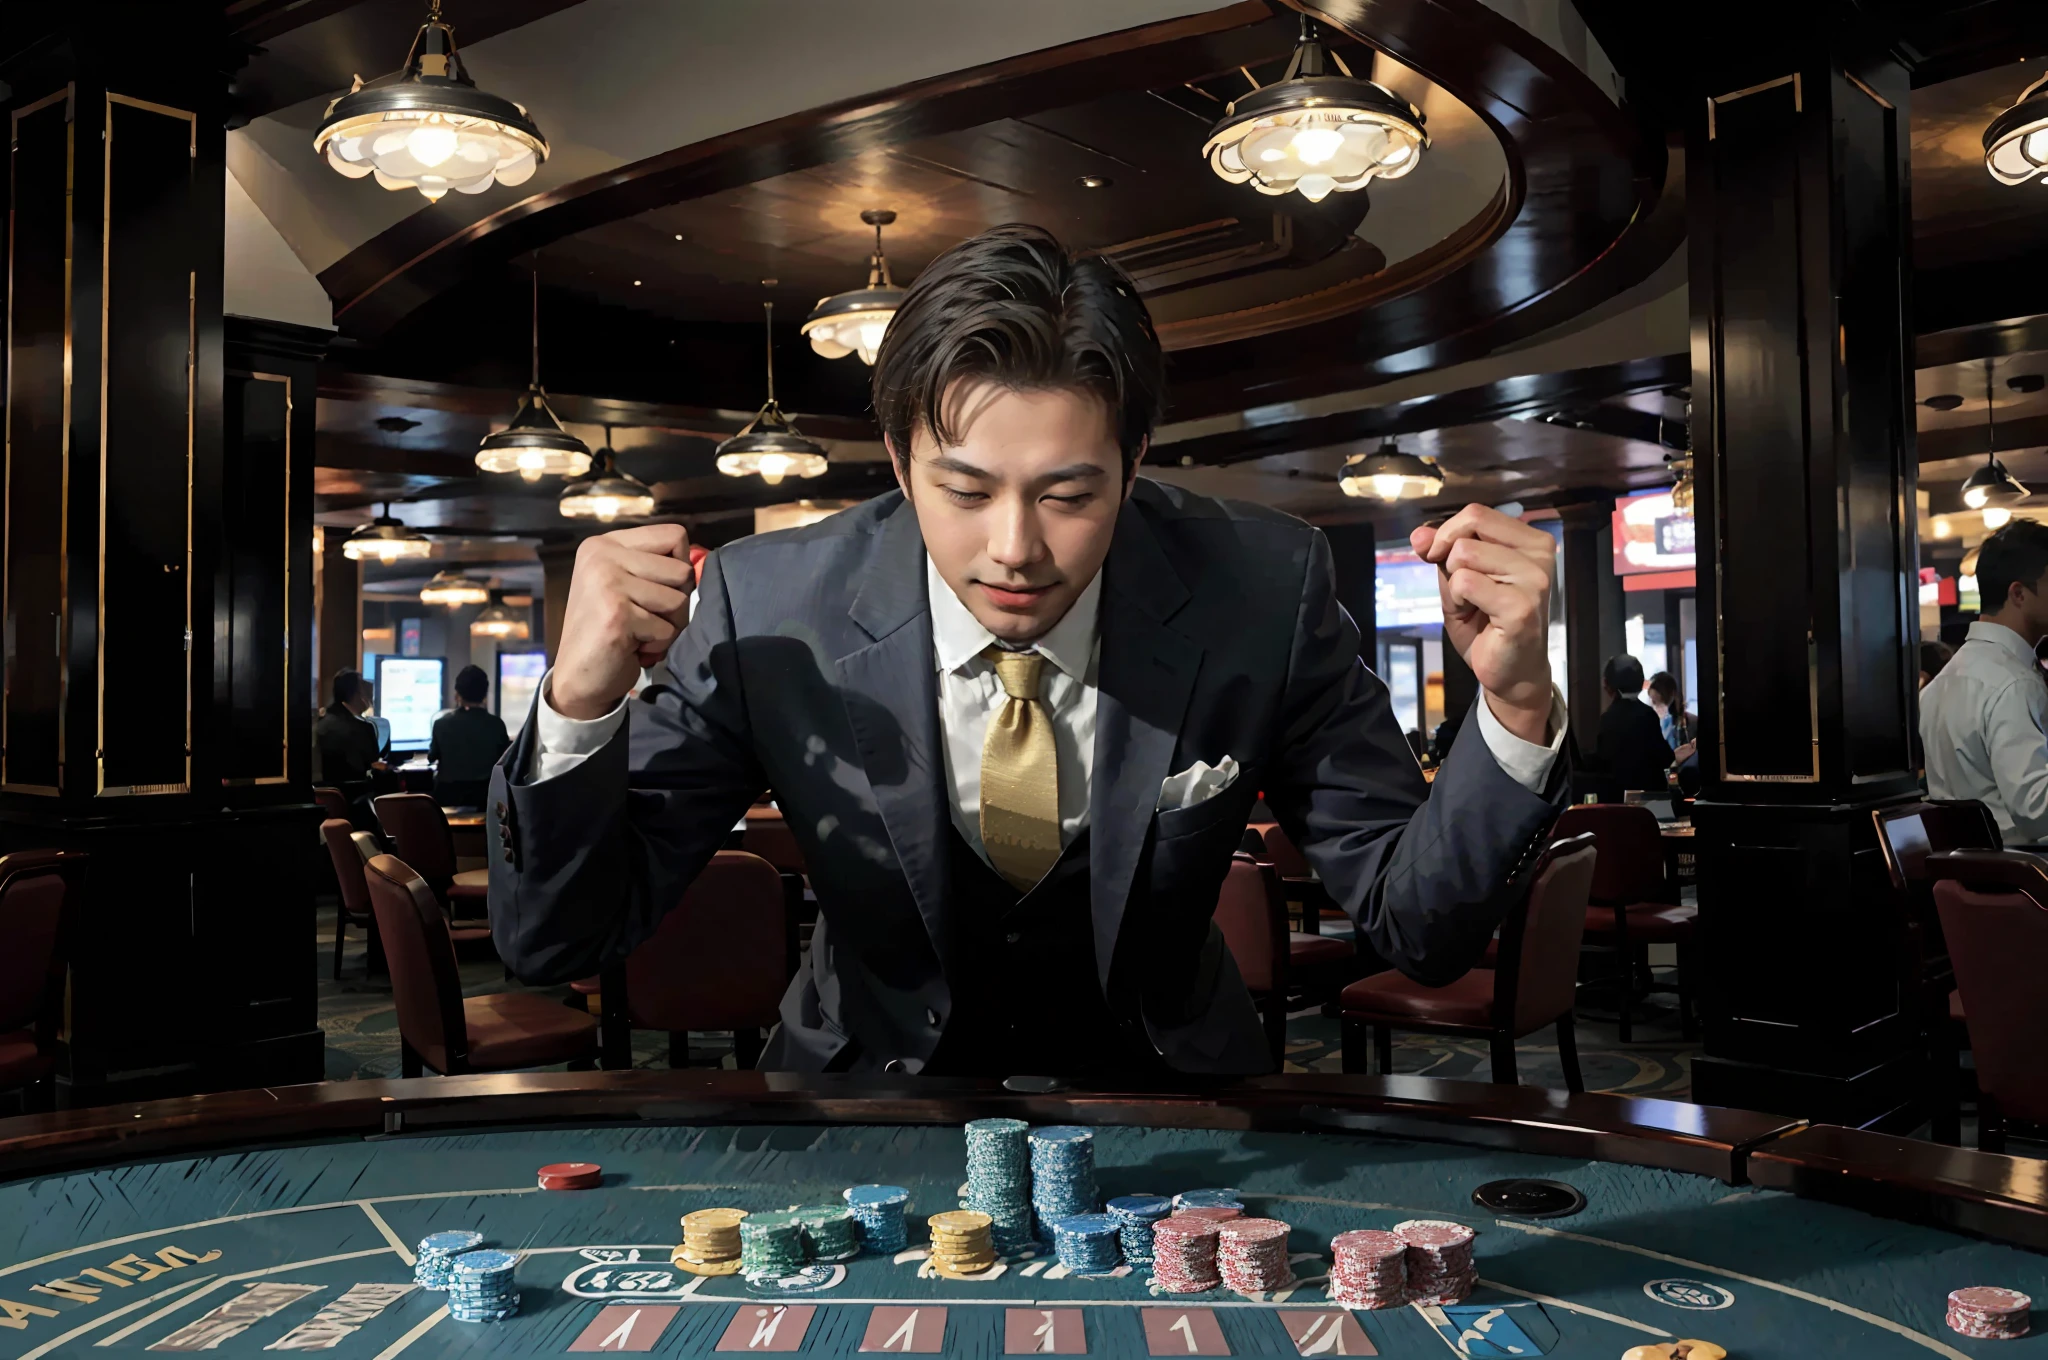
[354, 905]
[1633, 904]
[1908, 833]
[368, 847]
[1299, 882]
[1994, 915]
[719, 960]
[1534, 986]
[1252, 915]
[418, 831]
[1317, 965]
[38, 899]
[438, 1027]
[331, 802]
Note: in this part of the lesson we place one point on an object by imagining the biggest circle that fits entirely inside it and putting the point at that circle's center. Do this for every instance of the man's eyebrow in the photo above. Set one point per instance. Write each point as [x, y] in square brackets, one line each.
[1074, 472]
[943, 463]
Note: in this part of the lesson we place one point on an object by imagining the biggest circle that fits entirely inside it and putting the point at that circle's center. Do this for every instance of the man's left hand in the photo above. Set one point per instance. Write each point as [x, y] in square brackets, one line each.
[1496, 580]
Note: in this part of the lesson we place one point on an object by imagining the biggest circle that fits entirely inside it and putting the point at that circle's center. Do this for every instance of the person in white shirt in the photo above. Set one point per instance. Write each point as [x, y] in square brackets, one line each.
[1984, 718]
[1016, 714]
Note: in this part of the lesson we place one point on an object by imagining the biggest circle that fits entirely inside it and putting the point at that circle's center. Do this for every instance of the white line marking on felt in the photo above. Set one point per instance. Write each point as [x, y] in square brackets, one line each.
[420, 1329]
[398, 1246]
[1568, 1305]
[1885, 1323]
[174, 1306]
[105, 1318]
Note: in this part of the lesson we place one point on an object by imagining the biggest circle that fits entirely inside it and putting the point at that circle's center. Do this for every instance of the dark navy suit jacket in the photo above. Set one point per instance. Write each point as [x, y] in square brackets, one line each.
[808, 669]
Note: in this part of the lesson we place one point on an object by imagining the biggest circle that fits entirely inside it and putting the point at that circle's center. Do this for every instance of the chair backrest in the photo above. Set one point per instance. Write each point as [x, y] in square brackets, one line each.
[1994, 913]
[1631, 864]
[1251, 911]
[719, 959]
[331, 802]
[425, 985]
[348, 866]
[1540, 941]
[1909, 832]
[37, 898]
[368, 847]
[418, 831]
[771, 839]
[1283, 854]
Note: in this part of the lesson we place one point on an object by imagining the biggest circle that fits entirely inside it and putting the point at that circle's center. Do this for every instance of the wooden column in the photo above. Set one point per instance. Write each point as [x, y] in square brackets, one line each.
[1353, 551]
[1592, 610]
[158, 575]
[341, 616]
[1797, 195]
[557, 565]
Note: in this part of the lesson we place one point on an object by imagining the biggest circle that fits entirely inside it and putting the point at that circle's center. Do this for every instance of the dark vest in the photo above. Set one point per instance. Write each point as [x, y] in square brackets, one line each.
[1025, 1001]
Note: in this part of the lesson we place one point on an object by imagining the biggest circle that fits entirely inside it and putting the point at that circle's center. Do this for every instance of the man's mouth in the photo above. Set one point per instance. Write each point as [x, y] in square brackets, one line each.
[1013, 597]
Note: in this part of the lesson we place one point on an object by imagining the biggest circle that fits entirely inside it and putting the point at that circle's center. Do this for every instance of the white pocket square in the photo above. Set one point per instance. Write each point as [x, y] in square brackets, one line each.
[1197, 783]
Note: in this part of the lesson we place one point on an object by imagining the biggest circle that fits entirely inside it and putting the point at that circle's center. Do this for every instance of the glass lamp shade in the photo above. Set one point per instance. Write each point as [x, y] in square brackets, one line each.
[429, 127]
[1316, 134]
[606, 494]
[1390, 475]
[2016, 141]
[1993, 485]
[385, 539]
[453, 589]
[534, 445]
[853, 322]
[501, 622]
[771, 447]
[1681, 485]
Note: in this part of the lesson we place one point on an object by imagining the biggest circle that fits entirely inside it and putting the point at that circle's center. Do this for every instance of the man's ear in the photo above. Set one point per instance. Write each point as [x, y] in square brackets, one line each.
[1137, 459]
[899, 464]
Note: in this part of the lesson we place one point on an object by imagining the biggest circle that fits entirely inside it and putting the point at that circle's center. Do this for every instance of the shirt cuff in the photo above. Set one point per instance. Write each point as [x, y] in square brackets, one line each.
[1524, 761]
[566, 743]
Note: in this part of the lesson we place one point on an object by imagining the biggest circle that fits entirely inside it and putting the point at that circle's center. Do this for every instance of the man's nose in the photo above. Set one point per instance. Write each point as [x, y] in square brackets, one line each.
[1014, 540]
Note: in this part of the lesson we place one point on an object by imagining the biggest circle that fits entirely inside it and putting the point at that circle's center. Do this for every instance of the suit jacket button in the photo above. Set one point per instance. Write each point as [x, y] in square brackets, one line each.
[932, 1018]
[894, 1067]
[501, 812]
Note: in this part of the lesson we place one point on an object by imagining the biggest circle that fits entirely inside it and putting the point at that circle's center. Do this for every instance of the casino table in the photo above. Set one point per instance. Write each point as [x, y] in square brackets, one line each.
[286, 1219]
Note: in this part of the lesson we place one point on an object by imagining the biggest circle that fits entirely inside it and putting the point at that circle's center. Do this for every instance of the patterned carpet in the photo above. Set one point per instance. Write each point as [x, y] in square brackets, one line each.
[362, 1035]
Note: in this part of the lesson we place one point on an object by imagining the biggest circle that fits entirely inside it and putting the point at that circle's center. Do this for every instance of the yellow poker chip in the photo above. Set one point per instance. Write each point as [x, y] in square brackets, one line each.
[961, 1270]
[960, 1221]
[682, 1262]
[1676, 1350]
[714, 1220]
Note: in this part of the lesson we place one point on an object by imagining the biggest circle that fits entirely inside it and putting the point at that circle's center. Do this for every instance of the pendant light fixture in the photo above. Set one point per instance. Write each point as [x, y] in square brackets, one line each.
[2016, 141]
[1388, 474]
[1680, 464]
[429, 127]
[771, 445]
[1316, 133]
[454, 589]
[534, 445]
[853, 322]
[1991, 488]
[385, 539]
[498, 620]
[607, 493]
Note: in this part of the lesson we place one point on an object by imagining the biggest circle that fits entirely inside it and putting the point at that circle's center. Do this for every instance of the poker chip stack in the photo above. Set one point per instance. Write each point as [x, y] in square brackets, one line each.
[480, 1287]
[1369, 1269]
[1184, 1254]
[1135, 1215]
[1086, 1244]
[1251, 1254]
[878, 1215]
[960, 1243]
[437, 1251]
[771, 1245]
[1439, 1261]
[1204, 1199]
[828, 1232]
[1063, 1173]
[1215, 1213]
[999, 1179]
[711, 1242]
[1987, 1313]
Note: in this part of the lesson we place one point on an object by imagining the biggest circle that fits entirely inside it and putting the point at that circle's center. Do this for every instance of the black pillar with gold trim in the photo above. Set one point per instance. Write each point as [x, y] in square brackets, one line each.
[1802, 387]
[156, 542]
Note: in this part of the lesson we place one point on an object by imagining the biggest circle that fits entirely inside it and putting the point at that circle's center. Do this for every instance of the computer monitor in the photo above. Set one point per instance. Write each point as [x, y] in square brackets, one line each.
[410, 692]
[519, 675]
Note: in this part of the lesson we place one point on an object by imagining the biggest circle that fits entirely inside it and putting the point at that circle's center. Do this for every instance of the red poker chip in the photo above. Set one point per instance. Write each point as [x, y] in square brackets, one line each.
[1214, 1213]
[571, 1176]
[1984, 1298]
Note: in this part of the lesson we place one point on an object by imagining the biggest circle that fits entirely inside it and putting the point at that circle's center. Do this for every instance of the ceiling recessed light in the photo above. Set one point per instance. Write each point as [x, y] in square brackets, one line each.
[636, 283]
[1945, 401]
[2026, 383]
[1094, 181]
[679, 236]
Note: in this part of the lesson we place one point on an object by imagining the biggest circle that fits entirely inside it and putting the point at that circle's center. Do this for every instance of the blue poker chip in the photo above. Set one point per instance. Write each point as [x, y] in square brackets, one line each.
[1140, 1206]
[876, 1196]
[1087, 1225]
[1226, 1198]
[450, 1243]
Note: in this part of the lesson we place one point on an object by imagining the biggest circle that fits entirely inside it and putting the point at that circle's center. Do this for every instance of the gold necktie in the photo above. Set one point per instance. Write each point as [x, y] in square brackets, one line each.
[1020, 777]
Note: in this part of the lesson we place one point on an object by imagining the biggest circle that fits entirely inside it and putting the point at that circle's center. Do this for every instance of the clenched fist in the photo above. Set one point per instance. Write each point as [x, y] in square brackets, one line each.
[1496, 584]
[628, 598]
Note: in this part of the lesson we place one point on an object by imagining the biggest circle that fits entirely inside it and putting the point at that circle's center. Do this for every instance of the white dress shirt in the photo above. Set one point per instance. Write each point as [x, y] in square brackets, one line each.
[970, 695]
[1982, 725]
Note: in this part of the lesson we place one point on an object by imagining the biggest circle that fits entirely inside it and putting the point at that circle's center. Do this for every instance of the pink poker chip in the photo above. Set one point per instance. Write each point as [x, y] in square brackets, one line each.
[1985, 1298]
[1428, 1233]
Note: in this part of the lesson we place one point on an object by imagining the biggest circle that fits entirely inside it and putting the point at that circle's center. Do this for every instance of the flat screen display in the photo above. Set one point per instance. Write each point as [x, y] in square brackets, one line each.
[409, 690]
[519, 676]
[1650, 536]
[1405, 591]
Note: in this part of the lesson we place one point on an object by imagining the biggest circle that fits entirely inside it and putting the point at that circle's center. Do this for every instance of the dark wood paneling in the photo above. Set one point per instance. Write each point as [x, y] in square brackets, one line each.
[38, 326]
[149, 282]
[252, 620]
[1354, 554]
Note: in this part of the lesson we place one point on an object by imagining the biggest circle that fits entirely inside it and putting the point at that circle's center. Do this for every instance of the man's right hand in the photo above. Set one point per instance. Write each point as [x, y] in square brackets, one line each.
[628, 598]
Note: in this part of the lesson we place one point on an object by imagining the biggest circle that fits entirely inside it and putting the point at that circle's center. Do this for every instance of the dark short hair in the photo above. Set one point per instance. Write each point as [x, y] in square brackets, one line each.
[1015, 307]
[1664, 685]
[347, 684]
[472, 684]
[1623, 674]
[2017, 552]
[1934, 655]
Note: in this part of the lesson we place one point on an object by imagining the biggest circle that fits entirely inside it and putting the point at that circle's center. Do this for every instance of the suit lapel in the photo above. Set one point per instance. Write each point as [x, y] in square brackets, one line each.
[1144, 680]
[890, 689]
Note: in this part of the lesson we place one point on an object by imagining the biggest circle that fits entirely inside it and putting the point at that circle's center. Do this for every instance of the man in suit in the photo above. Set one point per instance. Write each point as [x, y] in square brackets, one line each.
[1632, 747]
[466, 743]
[1016, 714]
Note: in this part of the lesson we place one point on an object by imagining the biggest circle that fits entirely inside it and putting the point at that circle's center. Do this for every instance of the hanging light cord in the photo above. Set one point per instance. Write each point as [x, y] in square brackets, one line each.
[768, 313]
[1990, 419]
[536, 321]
